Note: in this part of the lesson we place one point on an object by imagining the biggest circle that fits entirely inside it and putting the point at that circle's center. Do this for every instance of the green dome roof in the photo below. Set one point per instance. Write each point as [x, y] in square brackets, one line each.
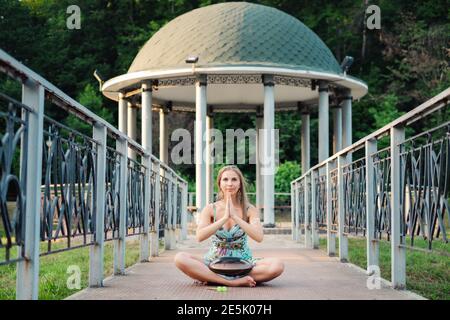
[236, 34]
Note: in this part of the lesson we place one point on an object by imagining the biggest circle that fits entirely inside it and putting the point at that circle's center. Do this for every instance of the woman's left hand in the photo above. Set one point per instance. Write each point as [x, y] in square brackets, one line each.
[233, 211]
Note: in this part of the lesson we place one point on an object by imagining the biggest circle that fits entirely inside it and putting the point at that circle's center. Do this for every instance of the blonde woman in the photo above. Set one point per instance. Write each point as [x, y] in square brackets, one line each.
[229, 221]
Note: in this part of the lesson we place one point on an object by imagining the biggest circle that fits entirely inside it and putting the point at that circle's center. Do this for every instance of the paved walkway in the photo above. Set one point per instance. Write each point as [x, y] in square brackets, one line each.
[308, 274]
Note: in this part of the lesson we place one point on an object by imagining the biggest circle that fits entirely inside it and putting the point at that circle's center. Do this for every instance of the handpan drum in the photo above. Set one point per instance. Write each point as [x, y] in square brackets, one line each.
[230, 266]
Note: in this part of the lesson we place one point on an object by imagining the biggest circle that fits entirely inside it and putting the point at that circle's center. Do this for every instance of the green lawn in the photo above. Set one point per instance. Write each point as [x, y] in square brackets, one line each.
[53, 270]
[427, 274]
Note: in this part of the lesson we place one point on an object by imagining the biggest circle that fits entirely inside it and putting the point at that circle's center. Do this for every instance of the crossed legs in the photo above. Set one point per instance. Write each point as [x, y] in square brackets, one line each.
[264, 270]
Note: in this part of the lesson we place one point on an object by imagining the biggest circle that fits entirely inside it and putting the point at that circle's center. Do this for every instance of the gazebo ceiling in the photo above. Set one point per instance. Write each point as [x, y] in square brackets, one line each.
[235, 38]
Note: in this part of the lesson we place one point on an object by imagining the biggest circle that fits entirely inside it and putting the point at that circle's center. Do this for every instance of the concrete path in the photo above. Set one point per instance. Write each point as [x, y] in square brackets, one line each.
[308, 274]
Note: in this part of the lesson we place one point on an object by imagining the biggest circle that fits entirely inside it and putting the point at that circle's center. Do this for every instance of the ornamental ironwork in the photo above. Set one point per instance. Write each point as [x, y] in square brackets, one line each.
[12, 178]
[425, 163]
[68, 204]
[354, 175]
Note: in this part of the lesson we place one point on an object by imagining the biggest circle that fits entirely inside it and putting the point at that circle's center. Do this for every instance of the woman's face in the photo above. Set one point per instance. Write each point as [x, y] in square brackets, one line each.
[230, 182]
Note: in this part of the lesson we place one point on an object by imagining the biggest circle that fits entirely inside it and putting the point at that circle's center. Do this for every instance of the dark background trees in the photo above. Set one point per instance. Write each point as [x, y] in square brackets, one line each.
[404, 63]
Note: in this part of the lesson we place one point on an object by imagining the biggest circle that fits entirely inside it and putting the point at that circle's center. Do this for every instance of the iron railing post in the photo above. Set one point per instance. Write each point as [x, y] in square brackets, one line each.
[119, 244]
[372, 245]
[398, 253]
[331, 236]
[168, 226]
[307, 222]
[314, 197]
[155, 239]
[293, 208]
[343, 241]
[27, 284]
[184, 212]
[173, 240]
[97, 249]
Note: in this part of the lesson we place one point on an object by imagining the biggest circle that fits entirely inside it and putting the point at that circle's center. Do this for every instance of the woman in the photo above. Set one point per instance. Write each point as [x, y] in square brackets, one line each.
[231, 217]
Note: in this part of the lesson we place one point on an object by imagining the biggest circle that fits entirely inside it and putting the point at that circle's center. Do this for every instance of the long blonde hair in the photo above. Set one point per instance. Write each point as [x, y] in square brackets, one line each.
[241, 194]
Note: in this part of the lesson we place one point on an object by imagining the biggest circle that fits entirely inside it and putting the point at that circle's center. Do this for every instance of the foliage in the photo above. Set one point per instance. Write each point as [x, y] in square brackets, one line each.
[287, 171]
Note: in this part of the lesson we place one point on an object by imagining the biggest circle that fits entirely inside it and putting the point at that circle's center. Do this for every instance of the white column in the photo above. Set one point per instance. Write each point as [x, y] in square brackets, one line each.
[337, 129]
[259, 177]
[27, 283]
[146, 139]
[123, 113]
[209, 159]
[200, 127]
[131, 128]
[146, 116]
[268, 168]
[323, 121]
[347, 119]
[305, 143]
[163, 136]
[398, 253]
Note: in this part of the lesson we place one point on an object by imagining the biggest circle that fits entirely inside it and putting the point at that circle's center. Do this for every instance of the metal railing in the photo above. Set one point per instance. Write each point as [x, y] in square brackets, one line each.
[65, 189]
[396, 193]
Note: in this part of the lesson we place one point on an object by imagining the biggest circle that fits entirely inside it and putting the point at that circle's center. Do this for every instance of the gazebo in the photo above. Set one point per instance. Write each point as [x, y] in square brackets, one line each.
[236, 57]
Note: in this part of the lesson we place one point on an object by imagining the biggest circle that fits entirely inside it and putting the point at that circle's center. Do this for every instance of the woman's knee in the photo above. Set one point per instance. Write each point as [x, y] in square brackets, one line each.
[180, 259]
[277, 267]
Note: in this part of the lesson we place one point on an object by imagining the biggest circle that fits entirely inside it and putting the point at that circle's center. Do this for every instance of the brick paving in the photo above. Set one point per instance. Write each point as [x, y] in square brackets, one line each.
[309, 274]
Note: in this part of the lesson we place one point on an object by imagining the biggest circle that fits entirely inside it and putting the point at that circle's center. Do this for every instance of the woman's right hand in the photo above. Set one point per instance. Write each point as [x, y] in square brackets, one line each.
[227, 206]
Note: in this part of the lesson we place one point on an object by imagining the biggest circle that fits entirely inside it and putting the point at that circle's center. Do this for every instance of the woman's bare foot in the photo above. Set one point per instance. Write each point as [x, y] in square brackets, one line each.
[246, 281]
[200, 283]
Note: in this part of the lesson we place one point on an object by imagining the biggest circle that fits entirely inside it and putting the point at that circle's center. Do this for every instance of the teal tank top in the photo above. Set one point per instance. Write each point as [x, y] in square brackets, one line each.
[229, 243]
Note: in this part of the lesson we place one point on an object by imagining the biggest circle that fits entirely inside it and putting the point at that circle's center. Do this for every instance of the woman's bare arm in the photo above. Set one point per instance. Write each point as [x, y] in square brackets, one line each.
[253, 228]
[205, 228]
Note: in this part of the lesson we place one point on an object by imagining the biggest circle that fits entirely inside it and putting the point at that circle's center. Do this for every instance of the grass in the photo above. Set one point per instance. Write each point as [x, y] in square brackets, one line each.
[427, 274]
[53, 269]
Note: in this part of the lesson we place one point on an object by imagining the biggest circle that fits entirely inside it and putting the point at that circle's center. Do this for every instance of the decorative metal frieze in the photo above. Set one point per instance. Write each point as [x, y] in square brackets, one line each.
[382, 174]
[292, 81]
[425, 181]
[112, 196]
[321, 201]
[177, 82]
[12, 177]
[68, 203]
[234, 78]
[355, 197]
[135, 201]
